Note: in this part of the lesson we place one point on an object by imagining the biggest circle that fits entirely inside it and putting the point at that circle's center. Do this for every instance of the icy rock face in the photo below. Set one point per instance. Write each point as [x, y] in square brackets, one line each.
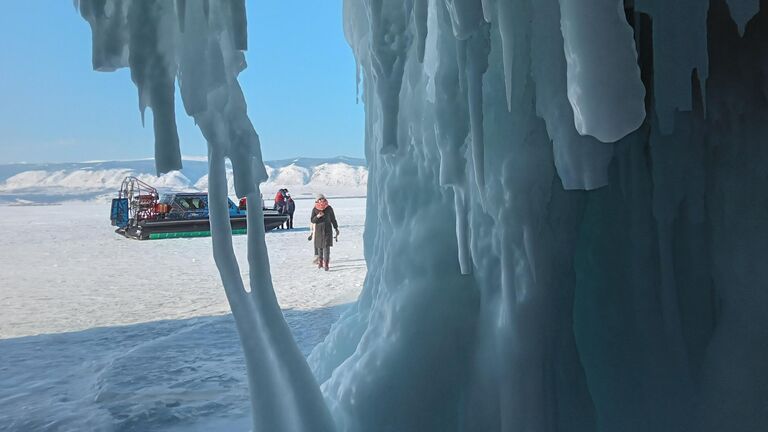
[524, 275]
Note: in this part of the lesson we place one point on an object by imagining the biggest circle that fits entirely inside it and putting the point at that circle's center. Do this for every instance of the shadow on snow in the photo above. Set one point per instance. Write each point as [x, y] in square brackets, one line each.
[141, 377]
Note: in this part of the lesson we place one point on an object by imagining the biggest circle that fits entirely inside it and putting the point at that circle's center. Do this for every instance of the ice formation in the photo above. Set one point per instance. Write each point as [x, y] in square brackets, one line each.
[201, 44]
[567, 212]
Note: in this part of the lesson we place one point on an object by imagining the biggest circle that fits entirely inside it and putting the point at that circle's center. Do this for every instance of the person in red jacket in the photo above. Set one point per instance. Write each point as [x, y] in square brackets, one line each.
[280, 204]
[280, 200]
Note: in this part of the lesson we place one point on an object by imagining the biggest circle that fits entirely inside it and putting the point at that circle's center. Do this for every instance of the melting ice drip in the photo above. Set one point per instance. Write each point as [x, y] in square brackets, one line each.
[567, 220]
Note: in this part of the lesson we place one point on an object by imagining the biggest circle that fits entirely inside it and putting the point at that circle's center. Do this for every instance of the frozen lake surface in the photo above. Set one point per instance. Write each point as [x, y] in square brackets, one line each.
[99, 332]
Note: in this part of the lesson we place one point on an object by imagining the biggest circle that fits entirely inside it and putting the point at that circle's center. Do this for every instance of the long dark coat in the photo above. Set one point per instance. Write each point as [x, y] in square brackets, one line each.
[324, 227]
[290, 206]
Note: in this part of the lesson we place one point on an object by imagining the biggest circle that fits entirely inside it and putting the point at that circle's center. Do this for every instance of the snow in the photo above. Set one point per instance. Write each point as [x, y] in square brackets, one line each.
[99, 332]
[47, 183]
[134, 282]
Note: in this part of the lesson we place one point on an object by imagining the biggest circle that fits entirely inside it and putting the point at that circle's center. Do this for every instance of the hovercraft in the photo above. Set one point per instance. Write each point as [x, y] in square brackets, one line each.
[140, 212]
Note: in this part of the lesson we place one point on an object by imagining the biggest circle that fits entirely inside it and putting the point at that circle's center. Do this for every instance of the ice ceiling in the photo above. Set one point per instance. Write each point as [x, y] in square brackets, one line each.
[567, 223]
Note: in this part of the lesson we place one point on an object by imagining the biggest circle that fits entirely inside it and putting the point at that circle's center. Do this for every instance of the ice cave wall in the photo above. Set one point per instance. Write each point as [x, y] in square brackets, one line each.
[567, 211]
[525, 276]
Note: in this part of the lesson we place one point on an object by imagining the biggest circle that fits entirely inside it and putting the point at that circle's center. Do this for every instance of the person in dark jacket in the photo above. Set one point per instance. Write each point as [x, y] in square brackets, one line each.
[325, 220]
[290, 208]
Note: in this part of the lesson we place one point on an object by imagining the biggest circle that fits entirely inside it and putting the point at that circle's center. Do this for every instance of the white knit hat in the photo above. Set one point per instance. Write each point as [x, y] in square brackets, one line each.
[320, 196]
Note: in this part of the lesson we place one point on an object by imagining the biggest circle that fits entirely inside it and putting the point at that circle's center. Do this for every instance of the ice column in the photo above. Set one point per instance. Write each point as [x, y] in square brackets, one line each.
[604, 273]
[200, 44]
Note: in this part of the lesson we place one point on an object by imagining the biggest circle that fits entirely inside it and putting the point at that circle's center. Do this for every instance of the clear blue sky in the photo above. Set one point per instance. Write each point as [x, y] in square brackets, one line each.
[300, 87]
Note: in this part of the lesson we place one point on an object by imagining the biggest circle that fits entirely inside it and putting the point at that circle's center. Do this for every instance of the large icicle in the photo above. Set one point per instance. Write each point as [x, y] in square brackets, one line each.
[152, 59]
[207, 57]
[581, 161]
[420, 16]
[742, 11]
[604, 84]
[478, 47]
[390, 39]
[466, 17]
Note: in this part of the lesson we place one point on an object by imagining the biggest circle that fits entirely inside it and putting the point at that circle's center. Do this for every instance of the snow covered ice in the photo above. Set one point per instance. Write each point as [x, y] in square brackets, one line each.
[57, 182]
[87, 344]
[567, 214]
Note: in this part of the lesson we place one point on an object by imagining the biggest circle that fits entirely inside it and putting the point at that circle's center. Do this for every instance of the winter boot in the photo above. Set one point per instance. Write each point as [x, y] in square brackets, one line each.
[320, 264]
[325, 264]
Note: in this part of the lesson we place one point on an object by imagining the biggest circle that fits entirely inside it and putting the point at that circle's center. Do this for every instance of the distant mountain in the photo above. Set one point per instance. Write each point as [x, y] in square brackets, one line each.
[24, 183]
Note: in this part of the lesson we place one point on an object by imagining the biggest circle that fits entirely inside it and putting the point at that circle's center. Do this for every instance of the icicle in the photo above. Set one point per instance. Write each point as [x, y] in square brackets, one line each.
[192, 77]
[110, 32]
[511, 22]
[582, 162]
[274, 363]
[152, 60]
[451, 113]
[389, 43]
[357, 82]
[742, 11]
[604, 86]
[478, 48]
[489, 8]
[431, 56]
[462, 230]
[466, 17]
[421, 17]
[356, 32]
[239, 24]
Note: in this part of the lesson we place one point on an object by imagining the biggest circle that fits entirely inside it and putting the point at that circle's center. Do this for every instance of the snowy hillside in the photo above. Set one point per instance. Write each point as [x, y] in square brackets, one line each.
[55, 182]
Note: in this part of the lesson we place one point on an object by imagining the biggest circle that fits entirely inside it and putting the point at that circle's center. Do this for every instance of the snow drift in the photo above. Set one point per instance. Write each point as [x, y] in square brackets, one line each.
[339, 176]
[585, 248]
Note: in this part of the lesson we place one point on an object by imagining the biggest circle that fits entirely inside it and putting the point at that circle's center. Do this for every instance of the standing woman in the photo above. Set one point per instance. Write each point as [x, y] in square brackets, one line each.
[324, 219]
